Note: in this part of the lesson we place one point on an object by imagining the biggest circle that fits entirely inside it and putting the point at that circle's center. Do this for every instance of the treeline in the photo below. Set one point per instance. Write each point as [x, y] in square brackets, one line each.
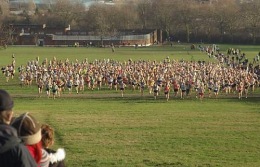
[222, 21]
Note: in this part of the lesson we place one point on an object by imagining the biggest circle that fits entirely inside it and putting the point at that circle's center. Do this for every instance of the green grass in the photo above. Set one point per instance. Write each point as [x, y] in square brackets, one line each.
[144, 132]
[178, 52]
[99, 128]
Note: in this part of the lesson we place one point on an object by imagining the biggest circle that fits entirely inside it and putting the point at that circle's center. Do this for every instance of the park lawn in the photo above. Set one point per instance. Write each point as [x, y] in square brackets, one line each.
[100, 128]
[25, 54]
[158, 53]
[134, 131]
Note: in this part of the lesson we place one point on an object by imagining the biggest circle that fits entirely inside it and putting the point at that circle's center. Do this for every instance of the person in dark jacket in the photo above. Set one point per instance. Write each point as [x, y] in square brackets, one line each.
[12, 152]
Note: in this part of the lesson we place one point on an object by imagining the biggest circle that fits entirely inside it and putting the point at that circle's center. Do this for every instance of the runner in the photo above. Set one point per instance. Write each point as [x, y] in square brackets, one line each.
[216, 88]
[81, 84]
[48, 87]
[54, 89]
[69, 84]
[183, 89]
[201, 91]
[110, 82]
[122, 88]
[87, 79]
[176, 88]
[76, 84]
[99, 81]
[246, 87]
[188, 88]
[150, 84]
[142, 86]
[240, 89]
[22, 79]
[155, 90]
[115, 82]
[61, 86]
[7, 75]
[40, 84]
[167, 90]
[252, 82]
[210, 87]
[92, 82]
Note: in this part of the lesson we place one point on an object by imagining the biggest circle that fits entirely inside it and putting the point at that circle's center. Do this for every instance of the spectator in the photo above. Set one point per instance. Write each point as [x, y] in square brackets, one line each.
[29, 130]
[12, 152]
[56, 157]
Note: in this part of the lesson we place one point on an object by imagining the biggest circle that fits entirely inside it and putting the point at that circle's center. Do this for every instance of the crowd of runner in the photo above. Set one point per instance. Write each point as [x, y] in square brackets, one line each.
[228, 74]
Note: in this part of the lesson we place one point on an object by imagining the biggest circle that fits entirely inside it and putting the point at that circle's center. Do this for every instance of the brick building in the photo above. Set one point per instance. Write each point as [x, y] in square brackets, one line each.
[42, 35]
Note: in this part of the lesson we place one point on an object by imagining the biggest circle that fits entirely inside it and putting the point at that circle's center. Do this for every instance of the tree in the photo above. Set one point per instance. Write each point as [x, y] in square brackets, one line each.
[224, 15]
[185, 14]
[251, 18]
[6, 35]
[4, 10]
[164, 16]
[144, 12]
[98, 16]
[31, 7]
[189, 19]
[64, 12]
[127, 17]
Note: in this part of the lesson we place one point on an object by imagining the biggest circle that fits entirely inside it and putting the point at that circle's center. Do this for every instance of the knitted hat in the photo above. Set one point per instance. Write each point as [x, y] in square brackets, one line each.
[28, 128]
[6, 102]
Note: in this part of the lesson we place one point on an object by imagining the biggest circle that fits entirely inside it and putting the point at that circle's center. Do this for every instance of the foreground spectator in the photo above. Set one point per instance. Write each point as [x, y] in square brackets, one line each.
[56, 157]
[29, 130]
[12, 152]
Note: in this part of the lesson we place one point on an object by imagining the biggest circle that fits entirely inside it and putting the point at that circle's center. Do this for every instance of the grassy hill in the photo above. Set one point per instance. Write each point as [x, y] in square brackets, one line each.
[100, 128]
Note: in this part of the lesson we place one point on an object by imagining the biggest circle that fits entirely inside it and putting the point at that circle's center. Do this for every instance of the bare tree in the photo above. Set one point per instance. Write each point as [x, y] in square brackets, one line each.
[164, 15]
[4, 10]
[189, 19]
[127, 17]
[98, 16]
[144, 8]
[31, 6]
[224, 15]
[251, 18]
[64, 12]
[6, 35]
[185, 13]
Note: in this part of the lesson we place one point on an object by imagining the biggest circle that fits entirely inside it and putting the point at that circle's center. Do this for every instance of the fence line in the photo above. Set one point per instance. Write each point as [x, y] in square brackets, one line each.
[95, 38]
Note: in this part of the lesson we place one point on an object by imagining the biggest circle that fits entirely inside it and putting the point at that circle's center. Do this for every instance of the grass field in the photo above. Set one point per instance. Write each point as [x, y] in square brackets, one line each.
[100, 128]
